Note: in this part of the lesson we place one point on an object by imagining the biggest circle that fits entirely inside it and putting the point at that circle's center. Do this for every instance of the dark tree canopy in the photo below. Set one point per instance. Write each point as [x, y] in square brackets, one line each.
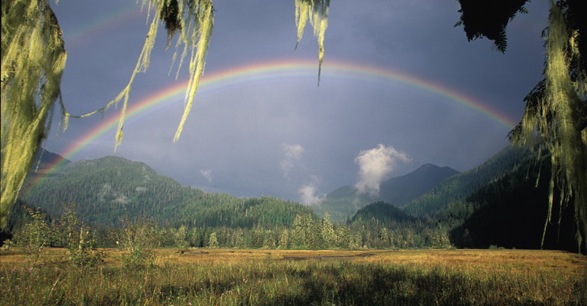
[556, 109]
[489, 19]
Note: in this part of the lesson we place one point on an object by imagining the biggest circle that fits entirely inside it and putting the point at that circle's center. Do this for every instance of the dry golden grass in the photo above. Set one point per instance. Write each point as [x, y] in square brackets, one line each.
[300, 277]
[491, 260]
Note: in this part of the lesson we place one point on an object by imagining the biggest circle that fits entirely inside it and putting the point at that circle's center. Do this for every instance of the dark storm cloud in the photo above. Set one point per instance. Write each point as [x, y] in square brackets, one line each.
[287, 137]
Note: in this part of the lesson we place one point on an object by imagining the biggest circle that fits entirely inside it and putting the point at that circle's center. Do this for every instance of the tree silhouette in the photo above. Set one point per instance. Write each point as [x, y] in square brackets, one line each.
[556, 109]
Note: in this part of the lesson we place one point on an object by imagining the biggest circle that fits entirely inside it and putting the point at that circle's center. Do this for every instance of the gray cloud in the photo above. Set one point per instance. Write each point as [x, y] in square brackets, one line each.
[272, 135]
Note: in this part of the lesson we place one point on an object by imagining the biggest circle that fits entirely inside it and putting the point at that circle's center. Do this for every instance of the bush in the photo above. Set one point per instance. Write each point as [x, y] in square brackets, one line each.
[35, 235]
[136, 240]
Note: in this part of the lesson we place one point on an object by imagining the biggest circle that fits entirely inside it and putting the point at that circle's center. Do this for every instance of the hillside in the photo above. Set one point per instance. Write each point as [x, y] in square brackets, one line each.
[345, 201]
[109, 189]
[495, 204]
[460, 186]
[510, 210]
[399, 191]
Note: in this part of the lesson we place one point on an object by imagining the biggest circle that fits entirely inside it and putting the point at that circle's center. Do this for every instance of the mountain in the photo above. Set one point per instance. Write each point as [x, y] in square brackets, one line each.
[43, 162]
[503, 203]
[107, 188]
[383, 213]
[511, 212]
[345, 201]
[45, 159]
[401, 190]
[460, 186]
[110, 189]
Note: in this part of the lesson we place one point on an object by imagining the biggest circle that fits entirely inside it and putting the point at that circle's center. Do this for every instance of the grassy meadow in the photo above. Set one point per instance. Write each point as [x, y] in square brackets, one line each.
[290, 277]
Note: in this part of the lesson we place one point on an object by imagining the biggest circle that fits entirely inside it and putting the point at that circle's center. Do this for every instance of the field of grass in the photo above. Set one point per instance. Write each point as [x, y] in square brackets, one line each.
[273, 277]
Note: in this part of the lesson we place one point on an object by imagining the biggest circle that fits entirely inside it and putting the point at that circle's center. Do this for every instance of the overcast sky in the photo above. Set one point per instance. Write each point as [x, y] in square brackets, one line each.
[276, 132]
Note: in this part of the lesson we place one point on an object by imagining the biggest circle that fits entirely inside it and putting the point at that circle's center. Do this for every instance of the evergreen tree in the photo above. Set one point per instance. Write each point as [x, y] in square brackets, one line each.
[328, 234]
[213, 241]
[284, 240]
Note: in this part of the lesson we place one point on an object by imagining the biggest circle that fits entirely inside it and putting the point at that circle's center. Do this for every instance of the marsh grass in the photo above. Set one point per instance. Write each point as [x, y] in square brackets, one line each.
[267, 277]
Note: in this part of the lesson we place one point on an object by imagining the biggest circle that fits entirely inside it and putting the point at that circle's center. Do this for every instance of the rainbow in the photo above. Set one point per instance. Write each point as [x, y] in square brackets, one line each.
[284, 69]
[101, 24]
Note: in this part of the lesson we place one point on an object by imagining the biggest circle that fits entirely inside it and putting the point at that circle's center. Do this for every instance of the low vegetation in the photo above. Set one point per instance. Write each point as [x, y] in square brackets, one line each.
[295, 277]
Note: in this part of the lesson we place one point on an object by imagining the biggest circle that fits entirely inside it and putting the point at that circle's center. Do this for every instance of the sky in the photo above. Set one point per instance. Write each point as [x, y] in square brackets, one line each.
[400, 87]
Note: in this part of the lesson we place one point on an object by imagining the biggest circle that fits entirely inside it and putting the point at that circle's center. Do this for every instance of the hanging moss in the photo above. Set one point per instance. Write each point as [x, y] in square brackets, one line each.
[317, 12]
[33, 59]
[556, 112]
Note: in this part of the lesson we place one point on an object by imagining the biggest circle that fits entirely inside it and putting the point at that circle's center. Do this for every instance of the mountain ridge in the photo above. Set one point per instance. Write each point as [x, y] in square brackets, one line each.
[109, 189]
[345, 201]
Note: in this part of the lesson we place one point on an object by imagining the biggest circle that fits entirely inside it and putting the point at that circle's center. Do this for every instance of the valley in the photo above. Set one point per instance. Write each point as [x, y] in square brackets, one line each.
[431, 207]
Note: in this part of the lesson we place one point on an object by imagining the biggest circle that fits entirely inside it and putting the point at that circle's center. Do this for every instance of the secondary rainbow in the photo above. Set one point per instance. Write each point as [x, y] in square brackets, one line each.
[284, 69]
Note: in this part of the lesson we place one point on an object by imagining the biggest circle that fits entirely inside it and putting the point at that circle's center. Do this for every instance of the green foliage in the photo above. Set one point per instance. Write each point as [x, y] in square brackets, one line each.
[78, 239]
[137, 239]
[510, 212]
[181, 238]
[213, 242]
[459, 187]
[35, 235]
[111, 187]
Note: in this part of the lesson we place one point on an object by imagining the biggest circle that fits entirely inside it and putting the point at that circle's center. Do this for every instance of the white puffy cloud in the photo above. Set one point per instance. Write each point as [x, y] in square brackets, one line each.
[309, 192]
[207, 174]
[374, 166]
[291, 154]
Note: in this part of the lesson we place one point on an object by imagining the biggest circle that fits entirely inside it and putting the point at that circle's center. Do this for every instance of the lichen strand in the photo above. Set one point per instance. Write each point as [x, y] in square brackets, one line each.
[192, 20]
[198, 42]
[33, 59]
[317, 12]
[556, 108]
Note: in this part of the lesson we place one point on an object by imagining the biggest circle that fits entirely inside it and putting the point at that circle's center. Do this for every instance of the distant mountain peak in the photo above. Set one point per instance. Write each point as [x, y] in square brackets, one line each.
[401, 190]
[344, 201]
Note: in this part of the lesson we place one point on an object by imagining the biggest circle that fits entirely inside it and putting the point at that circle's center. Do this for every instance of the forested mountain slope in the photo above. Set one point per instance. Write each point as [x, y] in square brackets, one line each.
[460, 186]
[109, 189]
[512, 212]
[399, 191]
[509, 211]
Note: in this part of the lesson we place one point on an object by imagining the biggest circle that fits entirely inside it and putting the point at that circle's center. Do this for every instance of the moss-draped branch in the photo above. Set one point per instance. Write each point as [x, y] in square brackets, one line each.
[556, 114]
[33, 59]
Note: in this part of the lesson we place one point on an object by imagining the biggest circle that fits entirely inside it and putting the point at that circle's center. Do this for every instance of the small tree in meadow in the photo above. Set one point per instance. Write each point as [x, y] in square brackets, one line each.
[78, 238]
[181, 236]
[34, 235]
[213, 241]
[137, 239]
